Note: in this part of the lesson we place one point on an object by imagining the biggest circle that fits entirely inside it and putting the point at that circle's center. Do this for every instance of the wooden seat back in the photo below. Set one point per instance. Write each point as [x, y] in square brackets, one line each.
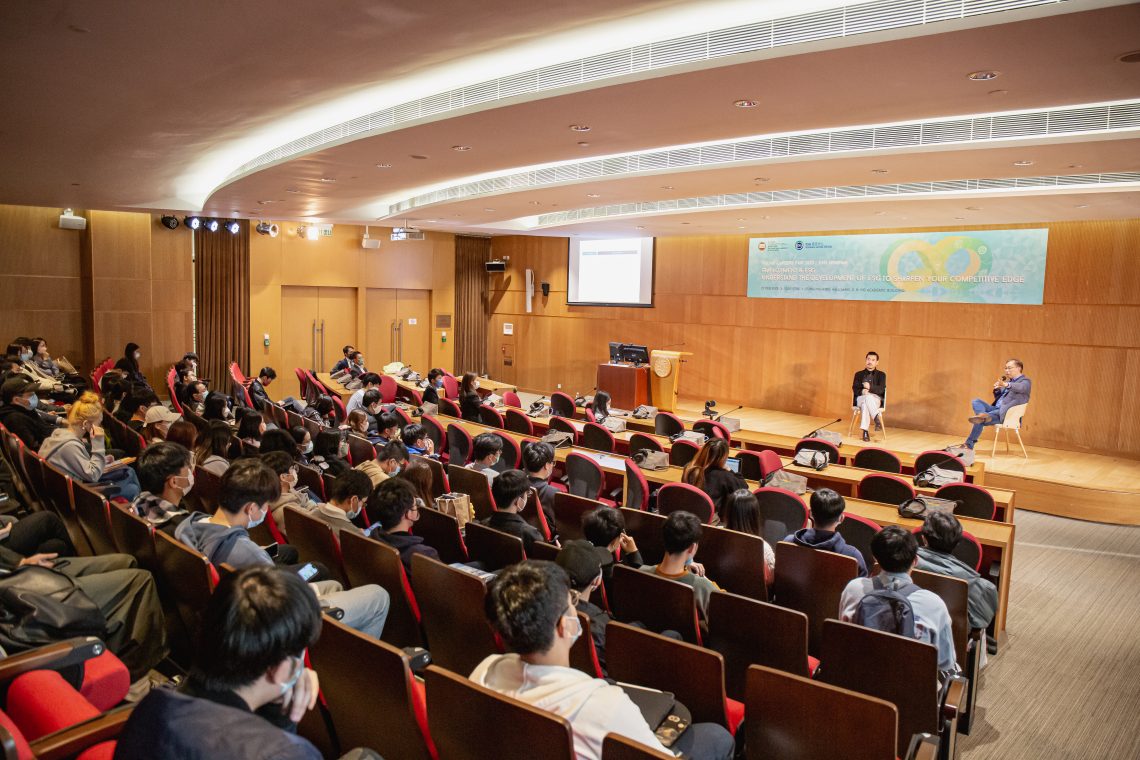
[315, 541]
[451, 606]
[474, 484]
[367, 560]
[439, 482]
[786, 712]
[441, 532]
[734, 560]
[467, 719]
[91, 513]
[748, 632]
[494, 548]
[812, 581]
[568, 513]
[646, 528]
[660, 604]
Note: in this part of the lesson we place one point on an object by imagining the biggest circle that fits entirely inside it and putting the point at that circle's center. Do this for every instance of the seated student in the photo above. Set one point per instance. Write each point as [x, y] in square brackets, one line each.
[193, 397]
[20, 355]
[434, 385]
[42, 359]
[487, 450]
[129, 365]
[826, 513]
[248, 686]
[419, 475]
[510, 490]
[605, 527]
[390, 458]
[248, 488]
[278, 440]
[369, 381]
[416, 438]
[356, 366]
[322, 410]
[166, 476]
[600, 408]
[532, 608]
[184, 432]
[582, 562]
[357, 423]
[682, 534]
[742, 514]
[708, 472]
[303, 440]
[342, 365]
[251, 428]
[257, 388]
[19, 412]
[126, 595]
[896, 551]
[40, 532]
[285, 467]
[469, 399]
[538, 459]
[79, 450]
[132, 409]
[347, 496]
[217, 407]
[387, 428]
[397, 508]
[329, 452]
[157, 423]
[372, 408]
[213, 449]
[941, 532]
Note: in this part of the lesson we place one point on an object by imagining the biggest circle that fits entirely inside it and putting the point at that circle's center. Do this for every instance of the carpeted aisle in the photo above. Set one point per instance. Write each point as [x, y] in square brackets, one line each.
[1067, 683]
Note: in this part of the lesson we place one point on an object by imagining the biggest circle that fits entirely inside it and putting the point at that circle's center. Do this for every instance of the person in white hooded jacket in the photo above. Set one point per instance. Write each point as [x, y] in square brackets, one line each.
[531, 606]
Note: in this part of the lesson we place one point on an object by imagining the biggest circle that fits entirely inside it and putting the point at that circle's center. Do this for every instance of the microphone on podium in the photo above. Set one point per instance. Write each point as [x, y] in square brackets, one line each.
[815, 433]
[730, 411]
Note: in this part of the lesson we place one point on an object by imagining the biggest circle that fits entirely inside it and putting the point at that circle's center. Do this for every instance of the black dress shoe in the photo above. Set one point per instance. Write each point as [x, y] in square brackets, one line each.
[866, 436]
[878, 424]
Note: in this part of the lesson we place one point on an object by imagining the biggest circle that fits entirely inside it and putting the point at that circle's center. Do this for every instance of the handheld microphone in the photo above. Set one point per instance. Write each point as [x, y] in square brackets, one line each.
[730, 411]
[926, 475]
[815, 433]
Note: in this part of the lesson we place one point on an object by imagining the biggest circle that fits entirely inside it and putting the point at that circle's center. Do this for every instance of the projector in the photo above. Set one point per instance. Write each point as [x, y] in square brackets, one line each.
[407, 233]
[496, 266]
[370, 242]
[69, 221]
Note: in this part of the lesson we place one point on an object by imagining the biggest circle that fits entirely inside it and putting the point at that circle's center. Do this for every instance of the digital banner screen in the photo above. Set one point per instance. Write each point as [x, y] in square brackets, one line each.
[983, 266]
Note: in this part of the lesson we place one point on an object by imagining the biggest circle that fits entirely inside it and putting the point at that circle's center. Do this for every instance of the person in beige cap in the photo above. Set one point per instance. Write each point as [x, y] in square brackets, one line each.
[157, 422]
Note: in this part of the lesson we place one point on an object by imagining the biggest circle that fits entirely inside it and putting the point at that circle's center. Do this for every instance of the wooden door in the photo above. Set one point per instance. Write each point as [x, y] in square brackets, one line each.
[413, 329]
[379, 318]
[337, 313]
[299, 315]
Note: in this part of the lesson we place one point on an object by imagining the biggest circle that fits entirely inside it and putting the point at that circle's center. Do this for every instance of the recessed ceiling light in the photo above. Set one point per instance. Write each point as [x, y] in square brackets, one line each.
[1023, 162]
[418, 157]
[666, 187]
[983, 76]
[427, 221]
[740, 219]
[878, 171]
[998, 93]
[746, 103]
[639, 227]
[461, 148]
[264, 203]
[740, 227]
[973, 208]
[328, 179]
[580, 127]
[593, 195]
[583, 144]
[1076, 166]
[1133, 57]
[1082, 205]
[383, 166]
[761, 179]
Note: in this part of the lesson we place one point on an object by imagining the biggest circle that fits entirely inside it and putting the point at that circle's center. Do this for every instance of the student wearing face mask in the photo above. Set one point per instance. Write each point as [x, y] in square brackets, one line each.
[397, 508]
[416, 438]
[251, 428]
[157, 422]
[469, 399]
[369, 382]
[79, 450]
[248, 489]
[357, 423]
[390, 459]
[487, 450]
[356, 366]
[166, 476]
[304, 443]
[283, 463]
[434, 386]
[248, 686]
[681, 535]
[19, 412]
[257, 393]
[347, 497]
[387, 428]
[193, 397]
[129, 364]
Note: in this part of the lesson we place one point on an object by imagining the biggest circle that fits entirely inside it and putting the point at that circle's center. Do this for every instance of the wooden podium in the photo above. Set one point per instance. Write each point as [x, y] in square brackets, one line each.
[665, 378]
[627, 385]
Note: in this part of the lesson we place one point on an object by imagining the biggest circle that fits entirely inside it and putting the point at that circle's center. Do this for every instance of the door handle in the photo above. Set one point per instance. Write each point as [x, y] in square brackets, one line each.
[392, 341]
[313, 346]
[322, 343]
[400, 339]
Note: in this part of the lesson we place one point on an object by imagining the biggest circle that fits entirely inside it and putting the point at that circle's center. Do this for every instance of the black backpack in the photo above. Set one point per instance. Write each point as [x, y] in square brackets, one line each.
[887, 608]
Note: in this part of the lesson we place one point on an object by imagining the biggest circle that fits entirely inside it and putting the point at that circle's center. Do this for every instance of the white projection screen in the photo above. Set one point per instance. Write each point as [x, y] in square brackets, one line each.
[617, 272]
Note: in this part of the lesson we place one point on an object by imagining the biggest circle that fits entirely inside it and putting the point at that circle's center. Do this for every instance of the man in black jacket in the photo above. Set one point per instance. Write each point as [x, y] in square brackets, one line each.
[19, 413]
[257, 388]
[510, 490]
[397, 508]
[869, 393]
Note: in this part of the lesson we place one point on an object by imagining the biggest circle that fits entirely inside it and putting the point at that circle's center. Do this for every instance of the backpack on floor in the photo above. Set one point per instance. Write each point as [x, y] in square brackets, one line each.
[887, 609]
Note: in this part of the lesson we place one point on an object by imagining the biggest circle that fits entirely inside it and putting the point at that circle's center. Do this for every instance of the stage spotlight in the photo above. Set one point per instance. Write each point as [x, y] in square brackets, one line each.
[192, 222]
[169, 222]
[265, 228]
[211, 225]
[232, 227]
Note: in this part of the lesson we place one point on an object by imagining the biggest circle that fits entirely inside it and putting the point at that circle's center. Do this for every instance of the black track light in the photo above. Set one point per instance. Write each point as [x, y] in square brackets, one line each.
[169, 222]
[192, 222]
[232, 227]
[211, 225]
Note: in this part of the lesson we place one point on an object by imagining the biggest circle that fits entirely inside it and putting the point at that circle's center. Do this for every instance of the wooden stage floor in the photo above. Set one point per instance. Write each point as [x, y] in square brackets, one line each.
[1073, 484]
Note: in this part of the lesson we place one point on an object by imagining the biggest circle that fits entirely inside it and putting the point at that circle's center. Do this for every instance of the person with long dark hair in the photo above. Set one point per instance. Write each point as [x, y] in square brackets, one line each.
[707, 471]
[129, 364]
[251, 428]
[601, 408]
[742, 513]
[329, 452]
[213, 449]
[469, 400]
[217, 407]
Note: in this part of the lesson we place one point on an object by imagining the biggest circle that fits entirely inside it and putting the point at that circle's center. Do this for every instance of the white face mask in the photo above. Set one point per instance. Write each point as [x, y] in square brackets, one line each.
[342, 450]
[299, 669]
[189, 483]
[309, 447]
[577, 622]
[254, 523]
[137, 355]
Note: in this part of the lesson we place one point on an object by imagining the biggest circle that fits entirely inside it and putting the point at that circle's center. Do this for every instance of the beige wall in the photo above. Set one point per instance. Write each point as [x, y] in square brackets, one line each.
[1081, 348]
[125, 279]
[339, 261]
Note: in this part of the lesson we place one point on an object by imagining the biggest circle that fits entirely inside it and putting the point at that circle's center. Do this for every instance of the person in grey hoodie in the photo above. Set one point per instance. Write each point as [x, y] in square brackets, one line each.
[532, 608]
[247, 490]
[79, 450]
[826, 513]
[941, 532]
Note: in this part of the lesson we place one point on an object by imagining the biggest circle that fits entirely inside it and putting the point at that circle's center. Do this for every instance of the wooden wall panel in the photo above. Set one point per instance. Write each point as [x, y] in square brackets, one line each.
[1081, 347]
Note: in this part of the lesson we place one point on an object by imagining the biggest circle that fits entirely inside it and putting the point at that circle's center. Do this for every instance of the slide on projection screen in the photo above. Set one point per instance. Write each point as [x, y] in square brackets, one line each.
[611, 272]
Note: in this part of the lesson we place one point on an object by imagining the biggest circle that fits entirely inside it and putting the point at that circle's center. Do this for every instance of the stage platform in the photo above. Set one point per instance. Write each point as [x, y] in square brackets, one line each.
[1072, 484]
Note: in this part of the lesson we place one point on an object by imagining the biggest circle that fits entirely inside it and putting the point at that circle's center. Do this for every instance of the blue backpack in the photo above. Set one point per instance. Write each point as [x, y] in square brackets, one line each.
[887, 609]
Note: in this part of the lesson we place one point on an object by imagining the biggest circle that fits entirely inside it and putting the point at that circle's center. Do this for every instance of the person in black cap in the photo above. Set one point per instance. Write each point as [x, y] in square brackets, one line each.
[19, 413]
[582, 561]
